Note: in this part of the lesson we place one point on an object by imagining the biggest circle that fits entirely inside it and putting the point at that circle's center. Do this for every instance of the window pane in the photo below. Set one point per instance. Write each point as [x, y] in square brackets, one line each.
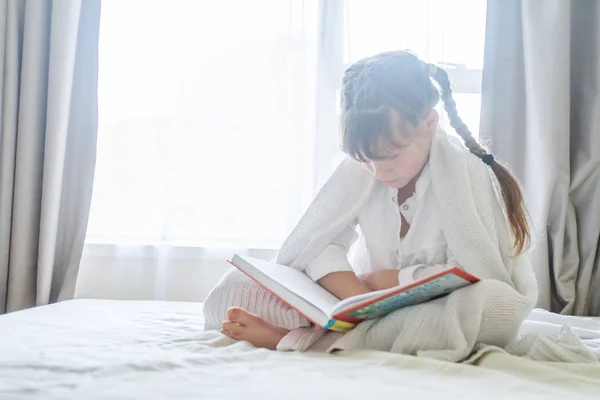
[450, 32]
[204, 109]
[438, 31]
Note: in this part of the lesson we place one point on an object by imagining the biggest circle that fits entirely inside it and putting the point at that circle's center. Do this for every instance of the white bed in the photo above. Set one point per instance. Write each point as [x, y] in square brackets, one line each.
[100, 349]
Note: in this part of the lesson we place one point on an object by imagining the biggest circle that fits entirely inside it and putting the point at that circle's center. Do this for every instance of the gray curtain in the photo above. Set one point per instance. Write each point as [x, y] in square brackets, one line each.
[48, 123]
[541, 114]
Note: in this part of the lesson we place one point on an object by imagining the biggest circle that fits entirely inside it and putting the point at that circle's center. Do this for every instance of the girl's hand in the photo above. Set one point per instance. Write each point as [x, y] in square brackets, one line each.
[380, 280]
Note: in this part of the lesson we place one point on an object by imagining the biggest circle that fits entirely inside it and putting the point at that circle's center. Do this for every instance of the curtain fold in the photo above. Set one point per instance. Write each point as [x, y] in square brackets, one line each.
[540, 108]
[48, 95]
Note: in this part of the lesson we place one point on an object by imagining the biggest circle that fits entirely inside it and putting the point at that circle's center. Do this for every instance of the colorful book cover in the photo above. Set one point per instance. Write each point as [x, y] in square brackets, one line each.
[429, 289]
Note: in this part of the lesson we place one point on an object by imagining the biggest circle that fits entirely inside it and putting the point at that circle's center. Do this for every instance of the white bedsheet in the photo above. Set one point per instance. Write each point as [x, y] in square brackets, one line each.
[99, 349]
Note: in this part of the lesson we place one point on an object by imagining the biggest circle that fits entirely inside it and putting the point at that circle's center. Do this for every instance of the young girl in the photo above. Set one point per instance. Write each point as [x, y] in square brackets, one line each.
[423, 202]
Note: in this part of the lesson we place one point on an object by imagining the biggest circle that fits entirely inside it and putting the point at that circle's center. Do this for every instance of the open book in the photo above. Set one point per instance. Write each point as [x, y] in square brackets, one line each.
[322, 308]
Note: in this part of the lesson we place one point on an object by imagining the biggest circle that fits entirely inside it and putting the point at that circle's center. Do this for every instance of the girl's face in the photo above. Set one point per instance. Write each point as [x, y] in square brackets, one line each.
[403, 163]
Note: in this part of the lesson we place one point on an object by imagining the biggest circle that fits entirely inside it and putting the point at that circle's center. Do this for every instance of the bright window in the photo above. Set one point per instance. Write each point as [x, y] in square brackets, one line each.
[217, 119]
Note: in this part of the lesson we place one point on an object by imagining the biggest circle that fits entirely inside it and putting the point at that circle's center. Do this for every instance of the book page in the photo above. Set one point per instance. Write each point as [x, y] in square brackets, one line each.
[362, 298]
[295, 281]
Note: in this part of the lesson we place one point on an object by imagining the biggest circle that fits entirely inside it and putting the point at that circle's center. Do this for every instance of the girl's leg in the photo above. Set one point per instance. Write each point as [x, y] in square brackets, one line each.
[488, 312]
[242, 325]
[236, 290]
[244, 310]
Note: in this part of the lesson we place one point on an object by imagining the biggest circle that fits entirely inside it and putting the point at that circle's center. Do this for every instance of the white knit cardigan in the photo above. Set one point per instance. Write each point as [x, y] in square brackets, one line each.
[478, 236]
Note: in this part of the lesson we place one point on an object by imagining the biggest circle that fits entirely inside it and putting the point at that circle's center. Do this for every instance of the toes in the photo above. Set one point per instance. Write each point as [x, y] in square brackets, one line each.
[233, 327]
[227, 333]
[233, 314]
[230, 334]
[242, 316]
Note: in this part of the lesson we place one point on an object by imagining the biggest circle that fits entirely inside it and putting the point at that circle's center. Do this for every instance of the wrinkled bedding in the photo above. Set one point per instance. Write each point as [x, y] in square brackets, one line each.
[99, 349]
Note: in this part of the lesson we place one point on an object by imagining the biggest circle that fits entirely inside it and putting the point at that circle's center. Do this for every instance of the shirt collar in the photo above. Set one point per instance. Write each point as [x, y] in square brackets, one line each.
[421, 186]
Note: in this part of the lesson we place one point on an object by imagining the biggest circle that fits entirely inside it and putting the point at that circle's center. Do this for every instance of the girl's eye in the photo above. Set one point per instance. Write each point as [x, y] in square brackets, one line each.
[397, 153]
[400, 151]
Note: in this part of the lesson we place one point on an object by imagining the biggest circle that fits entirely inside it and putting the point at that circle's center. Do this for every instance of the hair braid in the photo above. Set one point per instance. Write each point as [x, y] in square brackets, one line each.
[441, 77]
[510, 189]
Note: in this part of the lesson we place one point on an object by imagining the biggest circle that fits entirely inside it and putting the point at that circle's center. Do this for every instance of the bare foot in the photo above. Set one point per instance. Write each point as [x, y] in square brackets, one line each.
[242, 325]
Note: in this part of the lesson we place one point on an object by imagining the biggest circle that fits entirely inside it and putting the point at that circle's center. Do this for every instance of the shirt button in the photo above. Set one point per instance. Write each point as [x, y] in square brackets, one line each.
[405, 207]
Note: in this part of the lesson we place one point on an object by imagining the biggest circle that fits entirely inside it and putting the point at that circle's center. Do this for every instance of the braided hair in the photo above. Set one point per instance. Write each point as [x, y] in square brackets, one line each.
[399, 81]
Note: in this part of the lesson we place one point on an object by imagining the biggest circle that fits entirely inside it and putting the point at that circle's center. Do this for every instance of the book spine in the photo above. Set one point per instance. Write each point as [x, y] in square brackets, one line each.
[339, 326]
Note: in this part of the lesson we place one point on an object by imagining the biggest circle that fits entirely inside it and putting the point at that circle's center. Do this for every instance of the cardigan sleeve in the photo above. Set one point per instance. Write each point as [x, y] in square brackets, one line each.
[414, 273]
[334, 257]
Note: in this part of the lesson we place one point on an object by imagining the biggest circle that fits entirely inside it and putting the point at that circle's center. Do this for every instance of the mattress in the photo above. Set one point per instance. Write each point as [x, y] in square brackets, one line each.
[102, 349]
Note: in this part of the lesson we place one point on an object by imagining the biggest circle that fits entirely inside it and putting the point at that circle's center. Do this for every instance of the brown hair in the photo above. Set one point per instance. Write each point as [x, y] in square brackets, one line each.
[398, 81]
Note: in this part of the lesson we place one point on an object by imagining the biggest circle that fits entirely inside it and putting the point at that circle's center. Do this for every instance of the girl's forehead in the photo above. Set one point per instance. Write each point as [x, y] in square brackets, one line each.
[387, 146]
[394, 135]
[376, 134]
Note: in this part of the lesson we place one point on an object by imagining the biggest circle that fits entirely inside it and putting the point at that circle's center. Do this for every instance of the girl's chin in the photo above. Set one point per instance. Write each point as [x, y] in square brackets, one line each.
[398, 183]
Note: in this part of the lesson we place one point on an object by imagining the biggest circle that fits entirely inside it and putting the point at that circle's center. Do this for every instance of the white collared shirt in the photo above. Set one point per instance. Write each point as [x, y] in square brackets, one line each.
[421, 252]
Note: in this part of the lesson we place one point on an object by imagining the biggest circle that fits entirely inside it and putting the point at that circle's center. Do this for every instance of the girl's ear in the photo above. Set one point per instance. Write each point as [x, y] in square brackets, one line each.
[431, 122]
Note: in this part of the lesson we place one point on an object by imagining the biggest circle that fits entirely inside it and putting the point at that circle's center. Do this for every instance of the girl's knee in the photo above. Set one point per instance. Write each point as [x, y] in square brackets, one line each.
[493, 288]
[496, 297]
[235, 289]
[231, 291]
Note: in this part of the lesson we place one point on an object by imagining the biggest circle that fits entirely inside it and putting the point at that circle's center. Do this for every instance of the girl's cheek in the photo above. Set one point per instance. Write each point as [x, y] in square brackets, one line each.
[400, 163]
